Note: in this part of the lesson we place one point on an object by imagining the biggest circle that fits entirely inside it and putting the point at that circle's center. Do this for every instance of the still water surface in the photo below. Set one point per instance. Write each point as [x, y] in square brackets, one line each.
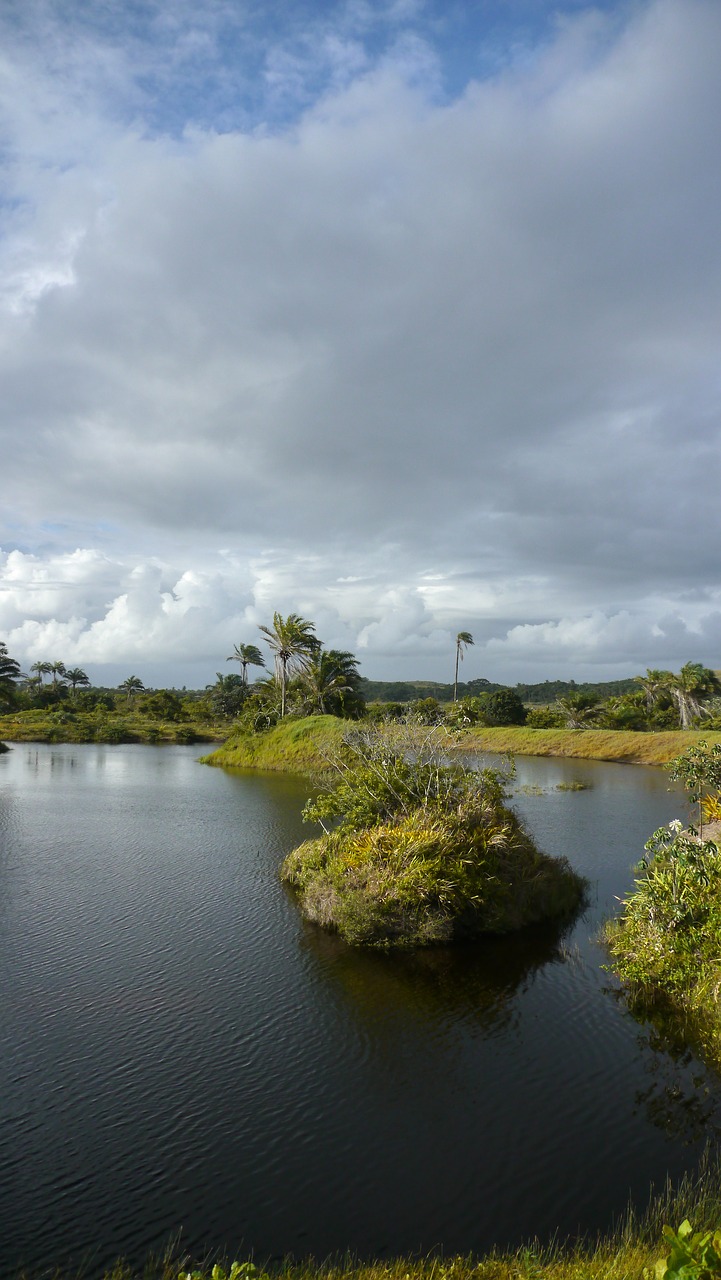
[178, 1050]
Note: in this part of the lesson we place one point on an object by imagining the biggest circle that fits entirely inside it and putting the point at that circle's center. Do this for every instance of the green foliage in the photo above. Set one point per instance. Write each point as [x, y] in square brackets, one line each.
[9, 673]
[693, 1255]
[422, 851]
[504, 707]
[666, 947]
[545, 718]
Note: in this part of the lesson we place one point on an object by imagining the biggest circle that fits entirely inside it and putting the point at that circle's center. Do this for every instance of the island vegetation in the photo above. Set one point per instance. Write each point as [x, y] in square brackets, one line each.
[415, 851]
[666, 944]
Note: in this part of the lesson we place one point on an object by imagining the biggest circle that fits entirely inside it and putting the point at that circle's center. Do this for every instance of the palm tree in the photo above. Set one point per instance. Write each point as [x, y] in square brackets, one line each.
[463, 639]
[654, 685]
[248, 655]
[329, 675]
[131, 686]
[57, 669]
[693, 685]
[75, 677]
[42, 668]
[293, 642]
[9, 673]
[580, 709]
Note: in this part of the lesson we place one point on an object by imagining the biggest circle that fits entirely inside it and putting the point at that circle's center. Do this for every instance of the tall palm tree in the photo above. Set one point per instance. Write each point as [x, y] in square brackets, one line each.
[693, 685]
[131, 686]
[463, 639]
[42, 668]
[248, 655]
[293, 642]
[76, 676]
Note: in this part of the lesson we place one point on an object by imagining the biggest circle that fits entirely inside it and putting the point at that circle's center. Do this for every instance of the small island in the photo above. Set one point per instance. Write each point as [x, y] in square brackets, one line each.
[421, 852]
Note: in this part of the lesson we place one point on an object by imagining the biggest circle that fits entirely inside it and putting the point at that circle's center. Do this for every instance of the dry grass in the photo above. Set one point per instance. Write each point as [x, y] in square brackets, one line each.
[585, 744]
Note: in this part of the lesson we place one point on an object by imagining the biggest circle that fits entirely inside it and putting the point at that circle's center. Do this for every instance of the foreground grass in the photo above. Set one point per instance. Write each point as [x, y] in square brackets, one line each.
[630, 1251]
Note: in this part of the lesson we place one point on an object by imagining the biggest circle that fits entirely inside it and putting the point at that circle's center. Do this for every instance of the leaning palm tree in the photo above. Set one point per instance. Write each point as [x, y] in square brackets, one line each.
[463, 639]
[248, 655]
[76, 676]
[131, 686]
[293, 642]
[693, 686]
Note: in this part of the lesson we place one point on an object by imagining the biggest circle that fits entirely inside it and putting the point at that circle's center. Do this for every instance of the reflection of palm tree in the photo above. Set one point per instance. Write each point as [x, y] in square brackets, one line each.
[131, 686]
[463, 639]
[692, 686]
[248, 655]
[293, 642]
[76, 676]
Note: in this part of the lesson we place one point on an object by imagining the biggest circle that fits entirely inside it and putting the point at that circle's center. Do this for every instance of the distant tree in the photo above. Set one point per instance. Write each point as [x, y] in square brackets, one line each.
[425, 711]
[655, 686]
[293, 642]
[580, 710]
[463, 639]
[163, 704]
[248, 655]
[76, 676]
[131, 687]
[9, 673]
[504, 707]
[42, 668]
[227, 695]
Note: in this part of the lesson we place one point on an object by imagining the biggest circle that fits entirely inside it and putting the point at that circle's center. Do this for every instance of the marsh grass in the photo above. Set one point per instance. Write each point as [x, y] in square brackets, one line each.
[631, 1250]
[64, 724]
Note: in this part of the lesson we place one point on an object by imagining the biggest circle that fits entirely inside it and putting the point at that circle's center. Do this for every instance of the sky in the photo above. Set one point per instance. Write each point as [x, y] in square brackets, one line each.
[402, 315]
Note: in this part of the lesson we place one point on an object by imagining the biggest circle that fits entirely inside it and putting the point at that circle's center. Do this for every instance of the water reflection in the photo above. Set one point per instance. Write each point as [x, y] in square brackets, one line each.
[475, 983]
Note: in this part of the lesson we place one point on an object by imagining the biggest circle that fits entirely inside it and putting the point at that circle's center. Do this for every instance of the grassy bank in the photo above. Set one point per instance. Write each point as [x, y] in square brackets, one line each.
[631, 1251]
[295, 746]
[304, 745]
[586, 744]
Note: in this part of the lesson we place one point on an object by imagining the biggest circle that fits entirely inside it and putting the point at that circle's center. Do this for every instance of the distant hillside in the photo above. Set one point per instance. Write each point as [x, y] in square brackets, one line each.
[548, 691]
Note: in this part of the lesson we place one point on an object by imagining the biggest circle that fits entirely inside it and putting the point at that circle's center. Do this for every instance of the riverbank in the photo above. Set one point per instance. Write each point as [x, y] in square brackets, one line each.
[67, 725]
[305, 746]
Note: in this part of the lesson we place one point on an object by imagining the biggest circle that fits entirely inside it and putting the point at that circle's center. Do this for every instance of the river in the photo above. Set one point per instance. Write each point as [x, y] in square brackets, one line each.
[179, 1052]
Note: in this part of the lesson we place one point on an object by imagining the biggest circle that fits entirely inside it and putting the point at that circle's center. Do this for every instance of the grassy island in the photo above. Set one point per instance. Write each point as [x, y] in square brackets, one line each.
[423, 852]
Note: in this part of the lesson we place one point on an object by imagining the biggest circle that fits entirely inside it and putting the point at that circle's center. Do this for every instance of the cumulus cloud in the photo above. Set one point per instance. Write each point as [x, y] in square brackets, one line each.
[461, 349]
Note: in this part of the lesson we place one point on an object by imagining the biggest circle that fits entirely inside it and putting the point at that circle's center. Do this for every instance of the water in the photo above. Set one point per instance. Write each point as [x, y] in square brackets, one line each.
[179, 1051]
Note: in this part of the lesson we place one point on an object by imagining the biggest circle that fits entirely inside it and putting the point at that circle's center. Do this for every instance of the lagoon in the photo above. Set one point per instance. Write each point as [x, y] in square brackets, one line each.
[179, 1051]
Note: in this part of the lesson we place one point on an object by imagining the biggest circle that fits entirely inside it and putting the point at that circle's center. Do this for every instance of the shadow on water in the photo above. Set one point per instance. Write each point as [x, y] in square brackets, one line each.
[473, 983]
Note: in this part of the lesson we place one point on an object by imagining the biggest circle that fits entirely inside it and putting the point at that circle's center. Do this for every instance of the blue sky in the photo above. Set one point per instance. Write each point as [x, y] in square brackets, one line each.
[401, 316]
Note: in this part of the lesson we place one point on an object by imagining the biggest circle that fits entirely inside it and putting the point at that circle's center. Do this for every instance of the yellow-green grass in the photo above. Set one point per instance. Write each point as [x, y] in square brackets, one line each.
[295, 746]
[630, 1251]
[585, 744]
